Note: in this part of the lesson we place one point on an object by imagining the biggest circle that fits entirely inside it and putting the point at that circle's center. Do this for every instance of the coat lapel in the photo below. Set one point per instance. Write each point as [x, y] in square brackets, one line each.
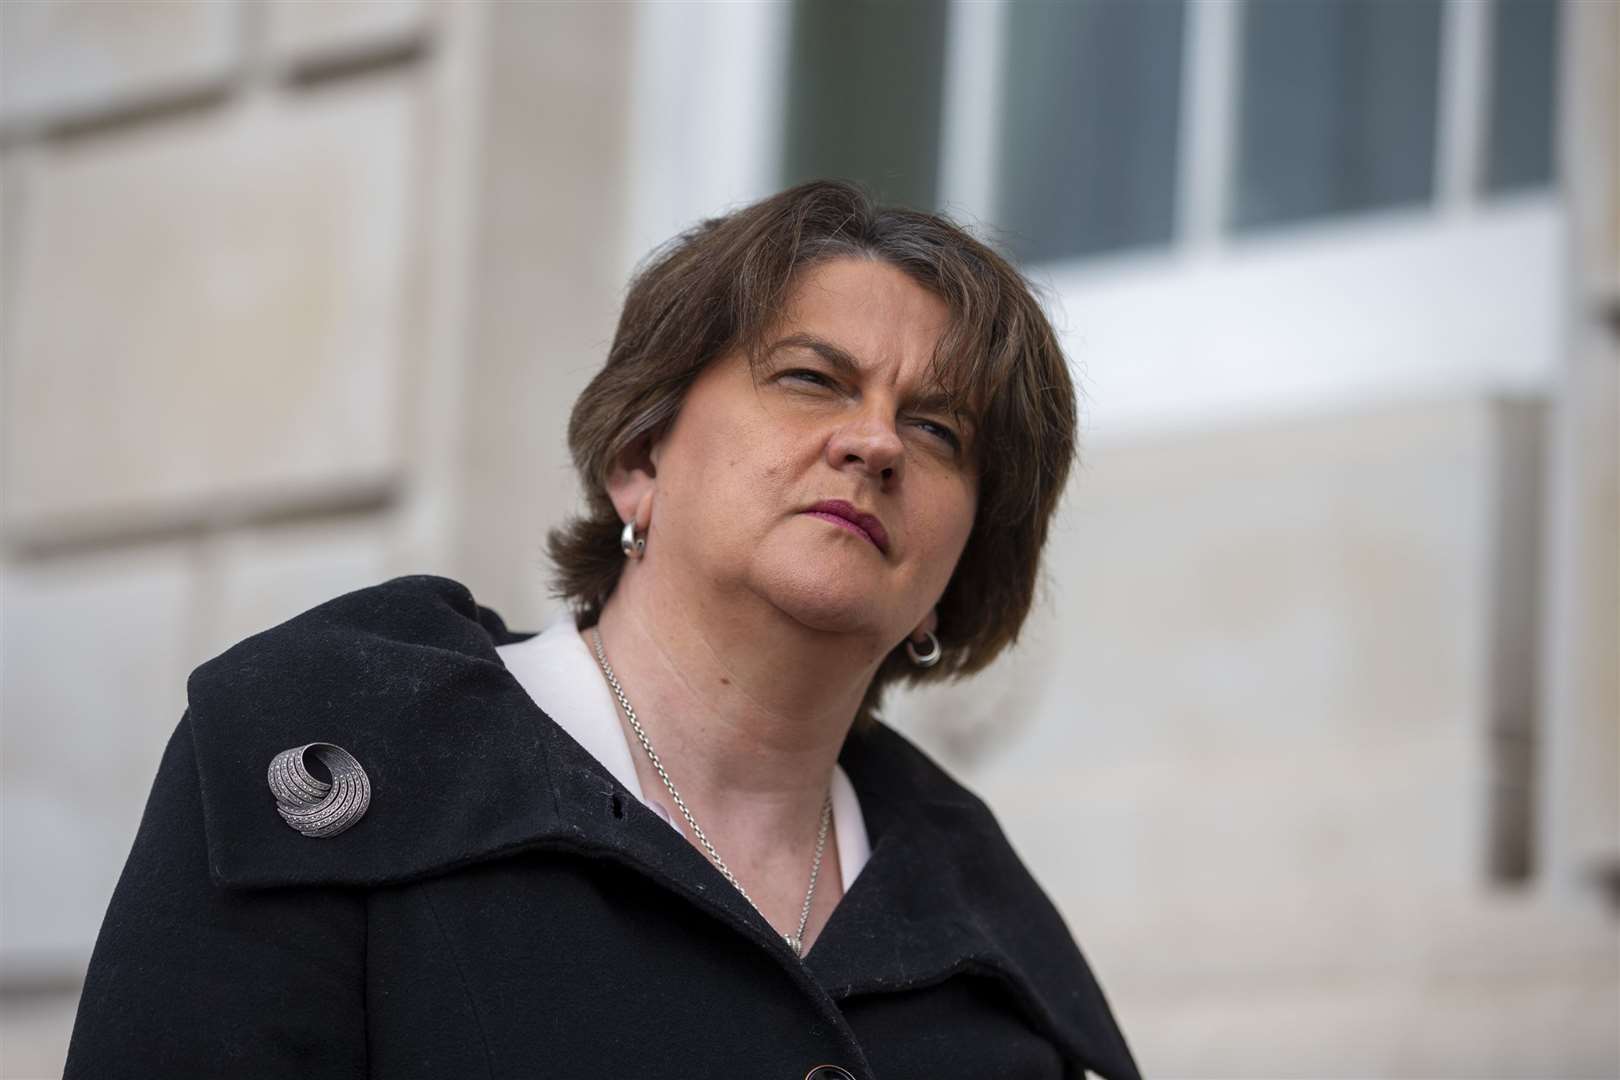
[945, 894]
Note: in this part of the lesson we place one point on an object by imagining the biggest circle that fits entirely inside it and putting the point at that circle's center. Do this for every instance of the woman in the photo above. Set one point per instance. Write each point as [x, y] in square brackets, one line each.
[667, 836]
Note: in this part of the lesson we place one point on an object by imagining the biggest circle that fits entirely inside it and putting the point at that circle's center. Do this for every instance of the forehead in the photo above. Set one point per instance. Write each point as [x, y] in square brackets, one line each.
[870, 307]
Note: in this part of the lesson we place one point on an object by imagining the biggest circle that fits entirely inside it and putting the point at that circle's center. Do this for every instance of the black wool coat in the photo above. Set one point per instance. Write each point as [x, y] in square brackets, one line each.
[506, 909]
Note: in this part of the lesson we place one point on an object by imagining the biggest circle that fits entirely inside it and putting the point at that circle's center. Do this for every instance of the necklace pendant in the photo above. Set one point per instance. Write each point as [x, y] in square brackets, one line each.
[794, 943]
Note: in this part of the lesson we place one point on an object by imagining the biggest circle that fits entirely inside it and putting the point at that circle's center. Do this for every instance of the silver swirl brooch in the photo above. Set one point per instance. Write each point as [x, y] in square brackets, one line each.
[311, 805]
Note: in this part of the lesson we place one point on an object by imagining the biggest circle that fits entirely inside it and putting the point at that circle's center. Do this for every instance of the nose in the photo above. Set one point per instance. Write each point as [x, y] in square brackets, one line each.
[870, 443]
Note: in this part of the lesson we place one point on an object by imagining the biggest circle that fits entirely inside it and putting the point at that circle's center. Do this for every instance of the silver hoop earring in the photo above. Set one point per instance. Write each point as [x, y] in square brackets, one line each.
[924, 659]
[634, 546]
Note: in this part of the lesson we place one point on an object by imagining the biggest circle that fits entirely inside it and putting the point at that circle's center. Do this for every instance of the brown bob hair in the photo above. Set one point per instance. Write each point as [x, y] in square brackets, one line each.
[721, 285]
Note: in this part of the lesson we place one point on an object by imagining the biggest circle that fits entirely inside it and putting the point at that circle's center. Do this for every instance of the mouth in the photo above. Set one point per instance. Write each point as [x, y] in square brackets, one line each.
[840, 513]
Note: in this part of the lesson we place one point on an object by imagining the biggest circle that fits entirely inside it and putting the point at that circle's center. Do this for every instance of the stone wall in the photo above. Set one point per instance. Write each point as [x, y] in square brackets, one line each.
[294, 297]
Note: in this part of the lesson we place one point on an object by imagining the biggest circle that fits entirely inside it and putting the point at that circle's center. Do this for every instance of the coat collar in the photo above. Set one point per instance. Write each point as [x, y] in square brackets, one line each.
[464, 767]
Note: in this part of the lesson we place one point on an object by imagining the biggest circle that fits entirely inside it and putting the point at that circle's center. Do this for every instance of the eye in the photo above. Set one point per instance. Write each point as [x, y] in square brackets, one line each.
[809, 376]
[941, 432]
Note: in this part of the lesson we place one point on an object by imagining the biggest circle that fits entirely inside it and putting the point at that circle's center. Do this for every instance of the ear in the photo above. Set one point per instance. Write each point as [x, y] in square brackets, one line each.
[929, 624]
[632, 480]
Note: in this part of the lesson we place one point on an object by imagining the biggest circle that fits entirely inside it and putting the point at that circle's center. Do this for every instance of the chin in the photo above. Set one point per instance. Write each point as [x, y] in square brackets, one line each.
[831, 603]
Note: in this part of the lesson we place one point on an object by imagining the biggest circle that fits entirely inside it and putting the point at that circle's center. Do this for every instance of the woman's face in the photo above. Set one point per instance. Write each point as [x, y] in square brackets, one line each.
[841, 411]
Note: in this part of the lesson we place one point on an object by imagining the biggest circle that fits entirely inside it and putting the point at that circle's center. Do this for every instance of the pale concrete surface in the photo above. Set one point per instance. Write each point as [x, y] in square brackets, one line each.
[245, 274]
[34, 1031]
[254, 578]
[69, 59]
[548, 280]
[1581, 829]
[90, 646]
[301, 31]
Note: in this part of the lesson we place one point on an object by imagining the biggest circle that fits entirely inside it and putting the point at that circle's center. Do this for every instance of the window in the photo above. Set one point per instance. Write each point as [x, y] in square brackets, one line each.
[1337, 108]
[1524, 43]
[1089, 126]
[865, 86]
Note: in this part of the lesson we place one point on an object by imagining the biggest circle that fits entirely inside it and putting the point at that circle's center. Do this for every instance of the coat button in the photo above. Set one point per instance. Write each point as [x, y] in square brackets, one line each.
[829, 1072]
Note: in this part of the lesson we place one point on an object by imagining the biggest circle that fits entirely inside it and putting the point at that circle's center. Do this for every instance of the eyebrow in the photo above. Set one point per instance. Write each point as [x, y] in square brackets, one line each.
[837, 357]
[846, 364]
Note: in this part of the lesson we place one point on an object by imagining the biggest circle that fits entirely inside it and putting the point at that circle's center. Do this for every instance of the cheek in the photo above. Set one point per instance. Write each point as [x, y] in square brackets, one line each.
[778, 450]
[734, 469]
[961, 509]
[948, 527]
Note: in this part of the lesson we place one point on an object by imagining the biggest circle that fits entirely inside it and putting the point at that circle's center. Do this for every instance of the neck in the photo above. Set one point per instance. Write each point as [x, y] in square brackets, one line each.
[747, 707]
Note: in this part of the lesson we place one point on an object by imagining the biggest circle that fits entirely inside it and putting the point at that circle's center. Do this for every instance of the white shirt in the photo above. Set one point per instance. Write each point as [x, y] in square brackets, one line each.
[561, 674]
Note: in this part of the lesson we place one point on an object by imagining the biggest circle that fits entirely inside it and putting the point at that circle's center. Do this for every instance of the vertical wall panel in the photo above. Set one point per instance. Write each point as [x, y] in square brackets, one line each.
[211, 307]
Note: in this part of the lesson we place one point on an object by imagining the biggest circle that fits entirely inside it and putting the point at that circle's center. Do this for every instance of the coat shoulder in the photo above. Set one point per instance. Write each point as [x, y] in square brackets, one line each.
[419, 609]
[404, 676]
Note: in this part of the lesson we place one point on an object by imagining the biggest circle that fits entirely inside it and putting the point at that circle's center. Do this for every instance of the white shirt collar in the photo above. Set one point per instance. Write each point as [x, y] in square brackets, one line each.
[560, 673]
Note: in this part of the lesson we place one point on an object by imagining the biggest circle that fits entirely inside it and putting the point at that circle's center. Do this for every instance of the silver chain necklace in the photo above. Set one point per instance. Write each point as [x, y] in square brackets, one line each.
[794, 940]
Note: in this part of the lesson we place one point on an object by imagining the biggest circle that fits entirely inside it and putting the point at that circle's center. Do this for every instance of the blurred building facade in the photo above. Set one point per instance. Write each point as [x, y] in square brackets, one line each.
[1315, 738]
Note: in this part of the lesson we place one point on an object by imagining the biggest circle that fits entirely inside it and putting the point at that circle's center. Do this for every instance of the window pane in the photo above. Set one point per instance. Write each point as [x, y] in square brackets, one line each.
[864, 95]
[1524, 36]
[1337, 111]
[1089, 126]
